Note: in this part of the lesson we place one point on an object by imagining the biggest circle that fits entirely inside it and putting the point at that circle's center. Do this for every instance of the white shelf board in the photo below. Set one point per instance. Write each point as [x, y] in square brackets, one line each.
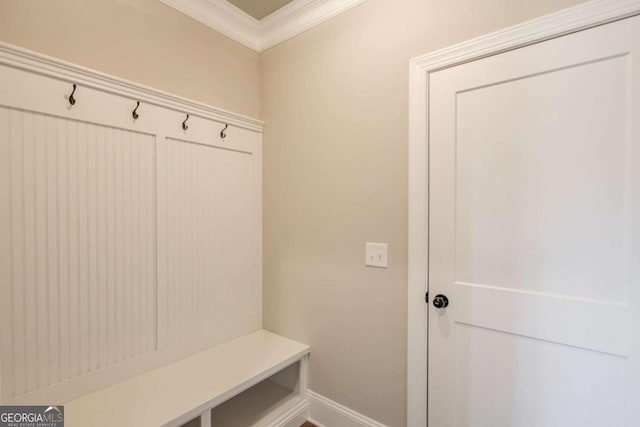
[176, 393]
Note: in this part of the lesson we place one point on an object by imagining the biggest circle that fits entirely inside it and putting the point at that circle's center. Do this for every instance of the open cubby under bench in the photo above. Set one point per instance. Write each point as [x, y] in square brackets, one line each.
[258, 379]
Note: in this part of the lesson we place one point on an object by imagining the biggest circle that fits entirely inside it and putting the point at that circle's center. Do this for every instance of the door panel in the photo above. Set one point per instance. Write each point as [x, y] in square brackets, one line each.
[538, 179]
[534, 206]
[571, 376]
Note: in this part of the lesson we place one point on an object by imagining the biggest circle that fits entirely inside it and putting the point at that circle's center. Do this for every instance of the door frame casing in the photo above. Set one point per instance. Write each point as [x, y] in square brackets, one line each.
[550, 26]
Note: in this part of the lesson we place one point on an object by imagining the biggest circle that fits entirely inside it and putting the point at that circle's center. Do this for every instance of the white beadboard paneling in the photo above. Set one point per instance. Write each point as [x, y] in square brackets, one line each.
[207, 219]
[54, 192]
[91, 200]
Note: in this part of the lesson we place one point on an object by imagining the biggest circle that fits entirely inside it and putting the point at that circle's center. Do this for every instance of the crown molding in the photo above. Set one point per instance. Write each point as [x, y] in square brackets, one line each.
[259, 35]
[223, 17]
[299, 16]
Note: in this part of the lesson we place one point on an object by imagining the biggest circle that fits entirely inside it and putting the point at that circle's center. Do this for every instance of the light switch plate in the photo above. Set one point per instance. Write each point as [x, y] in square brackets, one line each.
[376, 255]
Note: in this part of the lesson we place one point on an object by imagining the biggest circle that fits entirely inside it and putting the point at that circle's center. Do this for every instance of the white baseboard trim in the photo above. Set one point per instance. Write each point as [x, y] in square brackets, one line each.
[293, 415]
[297, 421]
[324, 412]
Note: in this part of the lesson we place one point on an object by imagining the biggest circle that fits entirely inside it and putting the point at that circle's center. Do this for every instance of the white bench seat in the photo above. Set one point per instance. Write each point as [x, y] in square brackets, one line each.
[178, 392]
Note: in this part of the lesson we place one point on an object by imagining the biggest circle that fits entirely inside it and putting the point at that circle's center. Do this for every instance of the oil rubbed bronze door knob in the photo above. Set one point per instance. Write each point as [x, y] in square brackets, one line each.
[440, 301]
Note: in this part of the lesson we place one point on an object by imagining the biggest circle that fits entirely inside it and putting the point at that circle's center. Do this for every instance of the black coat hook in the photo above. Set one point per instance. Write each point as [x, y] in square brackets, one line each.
[223, 134]
[135, 112]
[72, 100]
[184, 124]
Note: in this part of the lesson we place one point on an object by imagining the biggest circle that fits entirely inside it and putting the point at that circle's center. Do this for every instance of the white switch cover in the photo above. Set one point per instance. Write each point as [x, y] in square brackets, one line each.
[376, 255]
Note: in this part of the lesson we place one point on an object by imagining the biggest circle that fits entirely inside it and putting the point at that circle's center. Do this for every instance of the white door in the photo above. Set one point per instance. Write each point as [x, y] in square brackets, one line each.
[534, 222]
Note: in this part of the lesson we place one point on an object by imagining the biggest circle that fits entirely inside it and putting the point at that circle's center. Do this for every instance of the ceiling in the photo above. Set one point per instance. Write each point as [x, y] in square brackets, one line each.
[259, 8]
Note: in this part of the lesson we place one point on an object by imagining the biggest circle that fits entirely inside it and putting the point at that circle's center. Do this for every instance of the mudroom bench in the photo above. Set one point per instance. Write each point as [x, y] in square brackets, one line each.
[257, 379]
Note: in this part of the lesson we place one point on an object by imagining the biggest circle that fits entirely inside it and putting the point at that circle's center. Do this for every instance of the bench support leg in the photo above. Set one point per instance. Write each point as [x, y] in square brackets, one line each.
[302, 377]
[205, 418]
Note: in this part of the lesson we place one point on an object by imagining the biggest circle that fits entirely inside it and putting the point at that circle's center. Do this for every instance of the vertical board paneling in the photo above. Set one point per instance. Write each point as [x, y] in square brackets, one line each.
[127, 254]
[135, 248]
[208, 227]
[19, 332]
[6, 299]
[151, 243]
[110, 161]
[52, 256]
[41, 260]
[102, 297]
[72, 221]
[83, 240]
[163, 268]
[30, 266]
[81, 250]
[92, 215]
[119, 238]
[63, 246]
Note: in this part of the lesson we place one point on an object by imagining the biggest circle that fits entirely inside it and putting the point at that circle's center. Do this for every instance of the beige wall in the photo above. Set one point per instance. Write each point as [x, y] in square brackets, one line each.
[140, 40]
[335, 175]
